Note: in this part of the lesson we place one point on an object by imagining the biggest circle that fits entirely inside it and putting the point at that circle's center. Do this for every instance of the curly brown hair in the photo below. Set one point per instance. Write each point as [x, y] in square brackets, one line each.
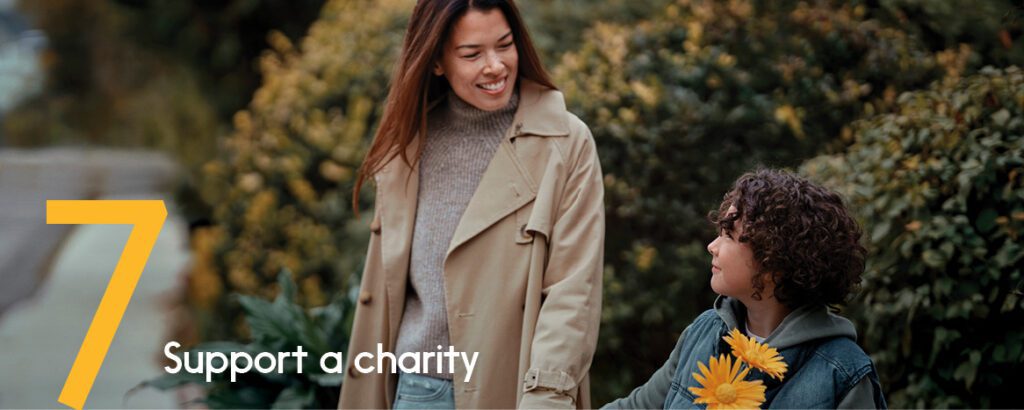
[802, 236]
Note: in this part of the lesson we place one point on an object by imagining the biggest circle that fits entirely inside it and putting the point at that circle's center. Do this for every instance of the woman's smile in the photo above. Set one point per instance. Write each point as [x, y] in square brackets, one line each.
[493, 88]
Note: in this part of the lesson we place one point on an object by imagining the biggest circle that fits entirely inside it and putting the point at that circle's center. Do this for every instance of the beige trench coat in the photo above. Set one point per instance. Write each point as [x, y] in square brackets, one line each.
[522, 272]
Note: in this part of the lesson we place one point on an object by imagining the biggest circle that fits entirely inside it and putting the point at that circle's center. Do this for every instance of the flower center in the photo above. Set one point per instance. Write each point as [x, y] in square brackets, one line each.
[726, 393]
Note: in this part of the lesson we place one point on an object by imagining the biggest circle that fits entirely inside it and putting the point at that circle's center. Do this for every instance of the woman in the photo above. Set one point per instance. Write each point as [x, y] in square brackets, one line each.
[488, 232]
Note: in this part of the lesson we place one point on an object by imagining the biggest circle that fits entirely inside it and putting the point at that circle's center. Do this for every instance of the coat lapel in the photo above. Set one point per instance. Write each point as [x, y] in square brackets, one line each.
[506, 184]
[504, 187]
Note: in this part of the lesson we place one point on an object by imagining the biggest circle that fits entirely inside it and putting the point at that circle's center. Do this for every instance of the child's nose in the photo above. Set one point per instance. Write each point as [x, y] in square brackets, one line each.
[712, 247]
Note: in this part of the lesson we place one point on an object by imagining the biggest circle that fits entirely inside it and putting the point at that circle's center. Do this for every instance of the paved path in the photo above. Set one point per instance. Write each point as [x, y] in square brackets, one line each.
[29, 177]
[40, 335]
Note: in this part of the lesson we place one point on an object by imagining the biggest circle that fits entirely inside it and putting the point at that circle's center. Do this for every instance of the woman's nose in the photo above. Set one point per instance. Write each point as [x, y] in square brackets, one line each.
[492, 63]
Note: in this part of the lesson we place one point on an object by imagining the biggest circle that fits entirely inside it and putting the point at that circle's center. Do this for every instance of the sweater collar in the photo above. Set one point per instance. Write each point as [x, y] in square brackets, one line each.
[462, 111]
[541, 110]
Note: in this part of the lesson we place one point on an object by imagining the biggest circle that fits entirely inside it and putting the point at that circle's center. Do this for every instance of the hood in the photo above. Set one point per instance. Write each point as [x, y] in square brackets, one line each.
[802, 325]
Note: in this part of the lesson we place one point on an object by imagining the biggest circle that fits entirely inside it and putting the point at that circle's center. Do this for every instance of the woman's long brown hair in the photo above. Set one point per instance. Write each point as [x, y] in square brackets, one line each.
[413, 86]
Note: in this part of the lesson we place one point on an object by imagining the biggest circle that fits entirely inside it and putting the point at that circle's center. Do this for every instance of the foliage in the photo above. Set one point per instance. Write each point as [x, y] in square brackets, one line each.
[278, 326]
[147, 73]
[221, 40]
[280, 186]
[939, 187]
[683, 103]
[990, 27]
[558, 26]
[100, 89]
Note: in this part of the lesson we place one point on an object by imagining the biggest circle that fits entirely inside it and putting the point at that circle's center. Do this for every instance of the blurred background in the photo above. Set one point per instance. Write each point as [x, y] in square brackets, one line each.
[249, 117]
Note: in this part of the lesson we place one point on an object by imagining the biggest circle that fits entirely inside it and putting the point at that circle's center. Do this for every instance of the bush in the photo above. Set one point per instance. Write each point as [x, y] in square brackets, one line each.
[682, 104]
[278, 326]
[281, 184]
[939, 188]
[993, 28]
[146, 73]
[558, 26]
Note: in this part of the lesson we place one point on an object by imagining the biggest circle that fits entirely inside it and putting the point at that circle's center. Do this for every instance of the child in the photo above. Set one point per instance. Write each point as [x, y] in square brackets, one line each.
[787, 249]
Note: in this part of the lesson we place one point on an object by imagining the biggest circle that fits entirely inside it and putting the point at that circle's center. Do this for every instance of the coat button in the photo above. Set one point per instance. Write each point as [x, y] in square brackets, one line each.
[365, 297]
[522, 231]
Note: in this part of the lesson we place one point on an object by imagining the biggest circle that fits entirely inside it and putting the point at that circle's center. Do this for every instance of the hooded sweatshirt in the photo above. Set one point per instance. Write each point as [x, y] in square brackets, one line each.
[819, 347]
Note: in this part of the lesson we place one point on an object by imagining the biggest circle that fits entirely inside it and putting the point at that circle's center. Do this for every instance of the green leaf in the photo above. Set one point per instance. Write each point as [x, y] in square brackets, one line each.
[294, 397]
[999, 353]
[1001, 117]
[270, 325]
[880, 231]
[933, 258]
[986, 220]
[966, 372]
[230, 396]
[286, 286]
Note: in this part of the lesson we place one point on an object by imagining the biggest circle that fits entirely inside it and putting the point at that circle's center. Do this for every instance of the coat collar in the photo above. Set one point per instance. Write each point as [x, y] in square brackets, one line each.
[541, 111]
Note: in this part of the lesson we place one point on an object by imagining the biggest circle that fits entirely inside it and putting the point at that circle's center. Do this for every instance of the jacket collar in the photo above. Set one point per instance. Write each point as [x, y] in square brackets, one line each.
[541, 111]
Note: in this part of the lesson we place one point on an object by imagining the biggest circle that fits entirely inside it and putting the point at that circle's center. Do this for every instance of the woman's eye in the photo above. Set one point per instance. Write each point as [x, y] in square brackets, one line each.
[505, 46]
[471, 56]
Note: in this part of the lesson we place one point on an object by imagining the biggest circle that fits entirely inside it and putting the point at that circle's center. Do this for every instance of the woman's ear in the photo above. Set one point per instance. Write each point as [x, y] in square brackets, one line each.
[438, 70]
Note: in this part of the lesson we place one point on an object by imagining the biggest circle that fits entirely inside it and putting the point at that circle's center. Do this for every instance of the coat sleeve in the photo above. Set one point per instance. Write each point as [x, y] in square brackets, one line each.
[651, 395]
[566, 333]
[861, 396]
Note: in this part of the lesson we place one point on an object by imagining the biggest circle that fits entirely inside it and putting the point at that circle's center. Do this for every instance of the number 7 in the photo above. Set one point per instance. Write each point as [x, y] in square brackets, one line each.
[148, 218]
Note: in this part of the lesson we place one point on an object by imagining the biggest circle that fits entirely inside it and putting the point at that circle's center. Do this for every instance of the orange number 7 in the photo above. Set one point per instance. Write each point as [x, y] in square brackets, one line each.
[148, 218]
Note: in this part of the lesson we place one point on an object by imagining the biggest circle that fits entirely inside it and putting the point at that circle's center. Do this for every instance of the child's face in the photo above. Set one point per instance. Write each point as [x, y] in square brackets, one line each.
[732, 263]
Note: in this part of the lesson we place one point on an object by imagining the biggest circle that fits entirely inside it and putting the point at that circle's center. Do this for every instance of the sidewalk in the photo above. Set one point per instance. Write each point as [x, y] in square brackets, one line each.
[40, 336]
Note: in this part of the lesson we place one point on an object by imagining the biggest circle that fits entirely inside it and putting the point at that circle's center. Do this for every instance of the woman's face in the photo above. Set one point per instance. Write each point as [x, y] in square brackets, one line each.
[480, 60]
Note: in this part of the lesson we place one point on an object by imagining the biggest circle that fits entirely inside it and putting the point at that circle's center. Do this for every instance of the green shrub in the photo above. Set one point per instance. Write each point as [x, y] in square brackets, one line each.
[147, 73]
[280, 186]
[939, 188]
[558, 26]
[278, 326]
[682, 104]
[993, 28]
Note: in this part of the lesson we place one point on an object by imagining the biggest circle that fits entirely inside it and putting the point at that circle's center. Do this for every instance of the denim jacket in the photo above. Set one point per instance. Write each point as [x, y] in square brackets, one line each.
[826, 368]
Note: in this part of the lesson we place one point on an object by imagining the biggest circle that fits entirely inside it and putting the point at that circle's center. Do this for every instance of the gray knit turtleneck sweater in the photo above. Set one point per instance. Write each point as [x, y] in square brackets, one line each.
[461, 140]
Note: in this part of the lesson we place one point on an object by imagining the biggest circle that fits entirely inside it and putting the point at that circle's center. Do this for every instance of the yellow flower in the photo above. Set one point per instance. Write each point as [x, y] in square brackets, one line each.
[723, 387]
[757, 355]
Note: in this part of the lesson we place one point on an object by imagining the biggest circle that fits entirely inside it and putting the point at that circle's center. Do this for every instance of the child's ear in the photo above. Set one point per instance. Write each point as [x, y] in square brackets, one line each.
[770, 281]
